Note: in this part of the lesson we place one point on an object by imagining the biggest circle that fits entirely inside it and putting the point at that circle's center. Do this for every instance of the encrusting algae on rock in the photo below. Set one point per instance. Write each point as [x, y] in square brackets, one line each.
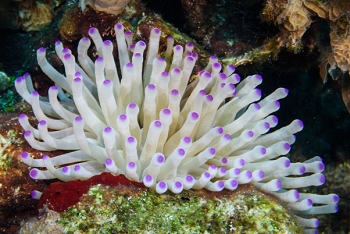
[157, 130]
[124, 210]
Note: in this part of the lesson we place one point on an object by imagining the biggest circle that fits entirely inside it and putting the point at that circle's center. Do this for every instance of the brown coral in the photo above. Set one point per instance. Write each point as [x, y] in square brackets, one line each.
[296, 19]
[114, 7]
[35, 18]
[30, 15]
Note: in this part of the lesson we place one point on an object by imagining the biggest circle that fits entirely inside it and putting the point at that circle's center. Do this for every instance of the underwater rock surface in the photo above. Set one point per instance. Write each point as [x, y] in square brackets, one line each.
[131, 209]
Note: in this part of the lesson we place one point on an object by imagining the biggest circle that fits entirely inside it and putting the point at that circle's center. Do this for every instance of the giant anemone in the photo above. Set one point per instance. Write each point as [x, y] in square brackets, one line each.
[155, 128]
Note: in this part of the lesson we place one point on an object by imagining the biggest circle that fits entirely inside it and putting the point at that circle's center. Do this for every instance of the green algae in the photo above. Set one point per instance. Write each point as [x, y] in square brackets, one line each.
[5, 142]
[8, 98]
[104, 210]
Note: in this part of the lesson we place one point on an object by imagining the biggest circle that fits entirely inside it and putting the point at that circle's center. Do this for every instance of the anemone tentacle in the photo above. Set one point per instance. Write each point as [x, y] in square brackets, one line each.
[149, 125]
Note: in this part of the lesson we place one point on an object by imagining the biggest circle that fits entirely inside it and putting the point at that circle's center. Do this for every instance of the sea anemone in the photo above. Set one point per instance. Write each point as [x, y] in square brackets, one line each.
[154, 127]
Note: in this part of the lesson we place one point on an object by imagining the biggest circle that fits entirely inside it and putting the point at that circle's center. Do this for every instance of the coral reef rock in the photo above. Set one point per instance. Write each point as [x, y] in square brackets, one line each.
[114, 7]
[130, 209]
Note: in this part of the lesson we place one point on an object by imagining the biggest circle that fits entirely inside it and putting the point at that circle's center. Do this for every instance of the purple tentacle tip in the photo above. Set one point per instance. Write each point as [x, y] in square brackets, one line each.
[250, 134]
[194, 115]
[65, 169]
[33, 173]
[131, 165]
[68, 56]
[210, 98]
[335, 198]
[222, 76]
[54, 88]
[107, 82]
[221, 184]
[27, 133]
[234, 183]
[287, 163]
[151, 87]
[296, 194]
[160, 59]
[78, 118]
[301, 124]
[174, 92]
[189, 178]
[157, 123]
[206, 174]
[278, 184]
[222, 170]
[178, 184]
[77, 80]
[322, 179]
[109, 162]
[132, 105]
[166, 111]
[131, 139]
[249, 174]
[258, 77]
[216, 65]
[162, 185]
[286, 146]
[160, 159]
[148, 178]
[123, 117]
[274, 119]
[207, 75]
[321, 166]
[178, 47]
[107, 130]
[77, 168]
[24, 155]
[92, 30]
[220, 130]
[187, 139]
[156, 30]
[181, 152]
[129, 65]
[277, 104]
[309, 202]
[190, 58]
[119, 26]
[241, 162]
[107, 43]
[317, 222]
[267, 125]
[33, 194]
[45, 157]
